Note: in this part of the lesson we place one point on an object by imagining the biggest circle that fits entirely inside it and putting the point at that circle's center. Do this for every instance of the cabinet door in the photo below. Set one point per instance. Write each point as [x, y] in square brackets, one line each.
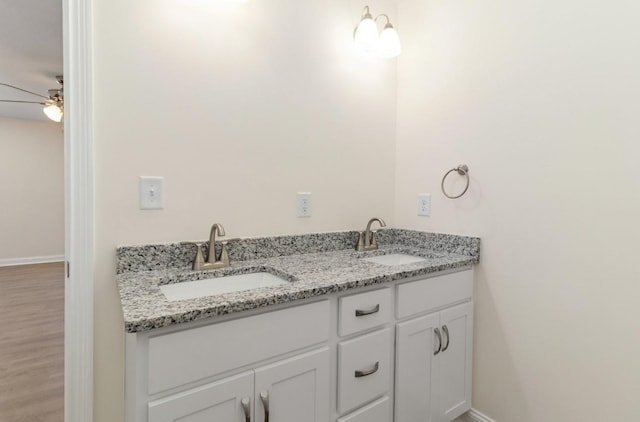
[454, 362]
[294, 390]
[415, 344]
[220, 401]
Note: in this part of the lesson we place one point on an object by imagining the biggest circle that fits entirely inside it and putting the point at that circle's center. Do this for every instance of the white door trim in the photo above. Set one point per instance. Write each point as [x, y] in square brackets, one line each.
[79, 210]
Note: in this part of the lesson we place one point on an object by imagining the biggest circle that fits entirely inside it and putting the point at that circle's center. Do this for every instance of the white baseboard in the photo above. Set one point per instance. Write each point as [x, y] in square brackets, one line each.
[33, 260]
[474, 416]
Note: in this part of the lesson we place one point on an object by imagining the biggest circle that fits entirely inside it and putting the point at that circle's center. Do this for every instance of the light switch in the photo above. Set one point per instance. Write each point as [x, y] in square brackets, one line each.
[151, 193]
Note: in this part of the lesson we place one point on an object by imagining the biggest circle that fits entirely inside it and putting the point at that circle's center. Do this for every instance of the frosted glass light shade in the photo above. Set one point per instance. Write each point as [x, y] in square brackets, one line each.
[53, 112]
[389, 43]
[366, 36]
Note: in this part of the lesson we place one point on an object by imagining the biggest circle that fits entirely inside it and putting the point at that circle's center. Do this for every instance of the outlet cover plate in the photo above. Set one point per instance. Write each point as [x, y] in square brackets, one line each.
[303, 204]
[424, 204]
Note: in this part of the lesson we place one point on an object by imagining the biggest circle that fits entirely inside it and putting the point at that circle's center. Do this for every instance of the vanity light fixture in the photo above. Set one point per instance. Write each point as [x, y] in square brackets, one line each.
[366, 34]
[53, 104]
[367, 39]
[389, 44]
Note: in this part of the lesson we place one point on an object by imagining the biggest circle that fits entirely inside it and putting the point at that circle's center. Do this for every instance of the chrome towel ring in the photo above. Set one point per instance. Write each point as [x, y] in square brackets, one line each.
[463, 170]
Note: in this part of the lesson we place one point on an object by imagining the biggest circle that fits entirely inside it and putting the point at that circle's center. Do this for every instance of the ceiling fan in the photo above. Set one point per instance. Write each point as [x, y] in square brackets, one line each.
[53, 104]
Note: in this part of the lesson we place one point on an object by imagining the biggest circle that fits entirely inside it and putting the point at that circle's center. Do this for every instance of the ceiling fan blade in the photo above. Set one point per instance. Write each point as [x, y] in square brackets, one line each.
[26, 102]
[24, 90]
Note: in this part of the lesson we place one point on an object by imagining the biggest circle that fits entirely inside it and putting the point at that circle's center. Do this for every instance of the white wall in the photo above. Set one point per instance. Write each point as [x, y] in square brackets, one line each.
[238, 106]
[540, 99]
[31, 190]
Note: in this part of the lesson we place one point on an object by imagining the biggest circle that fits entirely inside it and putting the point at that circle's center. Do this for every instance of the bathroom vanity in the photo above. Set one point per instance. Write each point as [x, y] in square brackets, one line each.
[352, 336]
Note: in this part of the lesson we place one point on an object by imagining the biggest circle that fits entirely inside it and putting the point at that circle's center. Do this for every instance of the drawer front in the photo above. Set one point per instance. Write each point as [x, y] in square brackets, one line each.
[364, 369]
[432, 293]
[363, 311]
[185, 356]
[378, 411]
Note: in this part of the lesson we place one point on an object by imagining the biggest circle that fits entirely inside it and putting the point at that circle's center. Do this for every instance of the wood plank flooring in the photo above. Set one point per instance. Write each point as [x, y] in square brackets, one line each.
[32, 343]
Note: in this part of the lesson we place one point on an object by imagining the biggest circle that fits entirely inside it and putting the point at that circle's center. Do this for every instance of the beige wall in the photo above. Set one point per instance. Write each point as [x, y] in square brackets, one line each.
[238, 106]
[31, 190]
[540, 99]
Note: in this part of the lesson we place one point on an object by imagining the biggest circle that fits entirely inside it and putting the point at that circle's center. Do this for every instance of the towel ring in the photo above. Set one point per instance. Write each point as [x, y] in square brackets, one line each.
[463, 170]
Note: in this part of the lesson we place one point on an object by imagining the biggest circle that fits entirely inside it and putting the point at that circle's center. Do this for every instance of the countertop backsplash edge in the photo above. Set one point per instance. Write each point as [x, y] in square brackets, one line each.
[155, 257]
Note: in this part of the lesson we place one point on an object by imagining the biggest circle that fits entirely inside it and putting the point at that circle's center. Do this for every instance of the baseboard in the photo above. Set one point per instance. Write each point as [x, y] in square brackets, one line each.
[474, 416]
[33, 260]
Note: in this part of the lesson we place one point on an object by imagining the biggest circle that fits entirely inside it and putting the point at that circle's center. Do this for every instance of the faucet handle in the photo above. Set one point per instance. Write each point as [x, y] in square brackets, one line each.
[224, 253]
[360, 244]
[198, 261]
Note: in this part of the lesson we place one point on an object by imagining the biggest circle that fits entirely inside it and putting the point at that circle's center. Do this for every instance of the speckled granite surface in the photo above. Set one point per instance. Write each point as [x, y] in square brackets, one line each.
[315, 265]
[172, 255]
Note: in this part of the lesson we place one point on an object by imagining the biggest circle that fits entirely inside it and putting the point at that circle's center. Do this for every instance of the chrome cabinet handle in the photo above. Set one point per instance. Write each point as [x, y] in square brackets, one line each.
[445, 330]
[359, 373]
[437, 332]
[361, 312]
[264, 398]
[247, 409]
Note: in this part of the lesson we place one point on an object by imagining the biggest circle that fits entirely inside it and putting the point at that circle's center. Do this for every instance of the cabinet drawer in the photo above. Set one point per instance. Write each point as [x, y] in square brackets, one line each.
[364, 369]
[378, 411]
[185, 356]
[363, 311]
[436, 292]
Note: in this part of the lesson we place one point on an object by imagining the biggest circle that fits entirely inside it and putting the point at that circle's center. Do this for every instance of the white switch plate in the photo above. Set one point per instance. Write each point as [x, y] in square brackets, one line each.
[303, 204]
[424, 204]
[151, 193]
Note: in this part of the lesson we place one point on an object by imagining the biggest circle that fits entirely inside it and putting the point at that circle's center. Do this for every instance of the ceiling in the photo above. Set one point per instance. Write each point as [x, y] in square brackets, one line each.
[30, 53]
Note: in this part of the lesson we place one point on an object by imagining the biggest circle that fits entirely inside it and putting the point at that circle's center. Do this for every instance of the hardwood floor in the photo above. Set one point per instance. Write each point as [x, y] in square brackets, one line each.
[32, 343]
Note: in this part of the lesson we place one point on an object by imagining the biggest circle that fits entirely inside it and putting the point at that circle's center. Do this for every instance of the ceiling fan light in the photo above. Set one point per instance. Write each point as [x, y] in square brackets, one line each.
[53, 112]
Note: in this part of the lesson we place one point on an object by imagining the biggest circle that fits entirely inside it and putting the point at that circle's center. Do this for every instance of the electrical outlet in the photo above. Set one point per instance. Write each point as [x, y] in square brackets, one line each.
[151, 193]
[303, 203]
[424, 204]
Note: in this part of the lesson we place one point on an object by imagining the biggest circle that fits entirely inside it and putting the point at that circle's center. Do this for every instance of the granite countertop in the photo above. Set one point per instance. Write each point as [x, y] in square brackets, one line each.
[318, 266]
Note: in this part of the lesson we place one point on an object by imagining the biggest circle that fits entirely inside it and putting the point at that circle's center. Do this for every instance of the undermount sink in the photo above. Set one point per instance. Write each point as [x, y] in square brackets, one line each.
[394, 259]
[218, 285]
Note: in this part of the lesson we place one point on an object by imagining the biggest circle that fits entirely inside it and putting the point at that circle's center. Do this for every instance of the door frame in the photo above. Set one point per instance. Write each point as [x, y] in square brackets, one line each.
[79, 209]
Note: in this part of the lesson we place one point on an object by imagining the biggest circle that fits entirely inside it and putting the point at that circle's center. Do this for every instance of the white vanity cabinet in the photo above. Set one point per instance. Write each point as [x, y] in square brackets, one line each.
[293, 390]
[219, 401]
[394, 352]
[434, 351]
[278, 362]
[365, 362]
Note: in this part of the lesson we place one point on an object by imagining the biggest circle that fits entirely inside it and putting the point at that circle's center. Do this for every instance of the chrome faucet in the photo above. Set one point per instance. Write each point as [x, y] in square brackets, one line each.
[368, 240]
[212, 261]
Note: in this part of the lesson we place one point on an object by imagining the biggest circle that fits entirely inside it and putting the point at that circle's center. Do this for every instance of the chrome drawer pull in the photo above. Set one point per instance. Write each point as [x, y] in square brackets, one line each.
[445, 330]
[360, 374]
[264, 397]
[437, 332]
[360, 312]
[247, 409]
